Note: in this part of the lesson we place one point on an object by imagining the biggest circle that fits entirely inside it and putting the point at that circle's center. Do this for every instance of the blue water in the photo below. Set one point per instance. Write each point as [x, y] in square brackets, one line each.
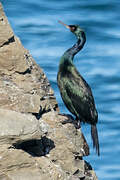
[35, 22]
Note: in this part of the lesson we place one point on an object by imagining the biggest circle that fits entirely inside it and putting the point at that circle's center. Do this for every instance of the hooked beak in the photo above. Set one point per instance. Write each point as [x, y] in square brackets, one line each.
[68, 27]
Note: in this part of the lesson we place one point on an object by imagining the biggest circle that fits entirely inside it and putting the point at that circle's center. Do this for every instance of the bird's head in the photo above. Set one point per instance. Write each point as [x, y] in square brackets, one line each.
[75, 29]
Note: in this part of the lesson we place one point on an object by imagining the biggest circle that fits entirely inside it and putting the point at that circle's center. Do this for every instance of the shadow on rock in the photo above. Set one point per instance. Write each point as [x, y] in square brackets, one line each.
[36, 147]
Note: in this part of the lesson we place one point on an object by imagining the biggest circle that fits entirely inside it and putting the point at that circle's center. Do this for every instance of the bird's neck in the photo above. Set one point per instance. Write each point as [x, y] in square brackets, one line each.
[76, 47]
[71, 52]
[67, 58]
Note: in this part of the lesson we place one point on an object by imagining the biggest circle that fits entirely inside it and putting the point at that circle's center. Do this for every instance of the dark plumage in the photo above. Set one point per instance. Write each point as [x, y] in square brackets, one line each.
[75, 92]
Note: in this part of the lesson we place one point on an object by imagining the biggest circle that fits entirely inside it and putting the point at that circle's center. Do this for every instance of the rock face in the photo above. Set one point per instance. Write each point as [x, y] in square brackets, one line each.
[36, 143]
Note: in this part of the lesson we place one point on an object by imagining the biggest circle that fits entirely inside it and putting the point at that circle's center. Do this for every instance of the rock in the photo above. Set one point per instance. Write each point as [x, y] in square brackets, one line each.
[5, 33]
[36, 142]
[23, 85]
[64, 129]
[16, 127]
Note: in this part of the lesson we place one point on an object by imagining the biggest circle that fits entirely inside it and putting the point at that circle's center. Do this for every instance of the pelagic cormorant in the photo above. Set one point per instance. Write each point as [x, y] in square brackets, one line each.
[74, 90]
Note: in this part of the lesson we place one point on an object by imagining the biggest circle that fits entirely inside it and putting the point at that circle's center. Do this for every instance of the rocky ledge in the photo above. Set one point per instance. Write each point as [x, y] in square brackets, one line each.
[36, 142]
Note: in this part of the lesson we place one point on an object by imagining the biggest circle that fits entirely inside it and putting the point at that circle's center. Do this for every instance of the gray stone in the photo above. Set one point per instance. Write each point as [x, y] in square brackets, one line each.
[15, 126]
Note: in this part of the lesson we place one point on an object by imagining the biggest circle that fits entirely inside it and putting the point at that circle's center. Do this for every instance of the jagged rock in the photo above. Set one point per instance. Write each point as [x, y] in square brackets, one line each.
[64, 128]
[36, 143]
[5, 33]
[23, 85]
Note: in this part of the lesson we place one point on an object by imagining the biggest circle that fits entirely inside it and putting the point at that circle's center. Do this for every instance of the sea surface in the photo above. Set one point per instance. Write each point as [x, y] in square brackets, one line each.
[36, 24]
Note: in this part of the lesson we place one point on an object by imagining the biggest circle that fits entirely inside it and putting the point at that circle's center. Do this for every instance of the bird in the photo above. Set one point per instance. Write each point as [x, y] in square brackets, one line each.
[75, 91]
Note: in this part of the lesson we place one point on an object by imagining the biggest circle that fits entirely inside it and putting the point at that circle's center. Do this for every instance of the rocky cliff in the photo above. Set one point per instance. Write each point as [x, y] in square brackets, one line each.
[36, 142]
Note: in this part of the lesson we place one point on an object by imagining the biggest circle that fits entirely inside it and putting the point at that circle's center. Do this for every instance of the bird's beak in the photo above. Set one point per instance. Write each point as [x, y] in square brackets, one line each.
[64, 25]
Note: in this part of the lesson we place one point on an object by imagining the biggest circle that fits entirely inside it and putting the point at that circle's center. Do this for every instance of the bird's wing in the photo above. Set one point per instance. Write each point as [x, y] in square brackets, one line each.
[81, 96]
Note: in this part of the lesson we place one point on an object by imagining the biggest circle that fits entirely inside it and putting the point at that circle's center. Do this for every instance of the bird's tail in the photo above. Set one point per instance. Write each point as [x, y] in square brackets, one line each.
[95, 139]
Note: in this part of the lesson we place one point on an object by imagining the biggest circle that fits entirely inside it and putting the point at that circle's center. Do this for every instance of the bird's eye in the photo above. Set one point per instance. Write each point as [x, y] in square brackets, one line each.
[73, 28]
